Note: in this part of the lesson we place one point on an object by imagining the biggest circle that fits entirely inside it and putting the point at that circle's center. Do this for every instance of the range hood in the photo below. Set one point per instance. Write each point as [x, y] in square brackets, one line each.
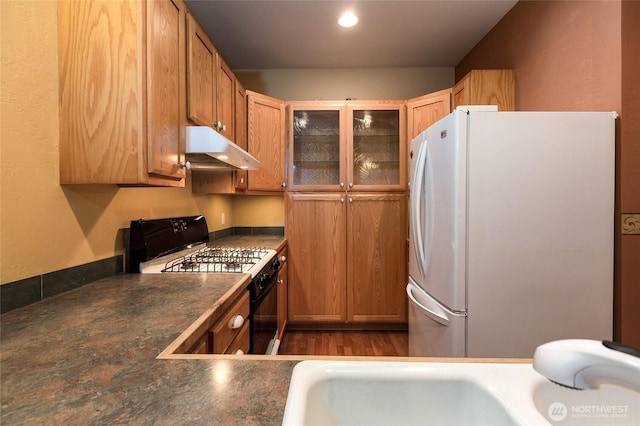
[208, 150]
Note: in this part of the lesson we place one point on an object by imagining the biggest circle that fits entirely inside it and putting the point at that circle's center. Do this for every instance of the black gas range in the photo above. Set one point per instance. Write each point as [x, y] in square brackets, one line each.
[181, 245]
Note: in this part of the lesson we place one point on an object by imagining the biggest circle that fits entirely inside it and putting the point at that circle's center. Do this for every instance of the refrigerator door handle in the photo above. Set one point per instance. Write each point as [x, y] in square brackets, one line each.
[428, 194]
[432, 311]
[416, 204]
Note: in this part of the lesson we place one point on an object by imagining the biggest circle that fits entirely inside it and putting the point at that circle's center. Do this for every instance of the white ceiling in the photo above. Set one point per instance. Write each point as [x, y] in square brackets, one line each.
[267, 34]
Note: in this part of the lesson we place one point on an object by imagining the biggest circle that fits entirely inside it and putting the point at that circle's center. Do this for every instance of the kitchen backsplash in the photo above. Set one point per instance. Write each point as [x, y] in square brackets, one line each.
[30, 290]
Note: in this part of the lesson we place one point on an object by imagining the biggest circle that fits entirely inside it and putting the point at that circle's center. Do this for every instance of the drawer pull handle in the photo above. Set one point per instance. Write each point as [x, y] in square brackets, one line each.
[236, 322]
[239, 352]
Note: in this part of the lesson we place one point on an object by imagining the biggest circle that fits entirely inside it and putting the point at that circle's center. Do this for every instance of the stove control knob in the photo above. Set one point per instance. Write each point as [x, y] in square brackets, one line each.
[262, 281]
[275, 265]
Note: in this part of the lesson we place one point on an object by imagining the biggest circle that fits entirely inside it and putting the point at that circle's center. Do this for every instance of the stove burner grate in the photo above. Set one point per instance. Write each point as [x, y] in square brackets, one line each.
[217, 259]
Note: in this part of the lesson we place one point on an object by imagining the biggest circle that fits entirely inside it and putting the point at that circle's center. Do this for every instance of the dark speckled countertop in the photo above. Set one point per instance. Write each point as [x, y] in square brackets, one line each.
[89, 356]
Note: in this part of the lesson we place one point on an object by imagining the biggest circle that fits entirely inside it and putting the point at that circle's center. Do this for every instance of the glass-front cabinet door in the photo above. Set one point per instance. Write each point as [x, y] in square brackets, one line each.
[336, 146]
[377, 146]
[316, 146]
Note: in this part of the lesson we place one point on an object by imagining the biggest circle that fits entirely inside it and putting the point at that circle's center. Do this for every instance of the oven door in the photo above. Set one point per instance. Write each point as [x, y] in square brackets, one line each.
[264, 319]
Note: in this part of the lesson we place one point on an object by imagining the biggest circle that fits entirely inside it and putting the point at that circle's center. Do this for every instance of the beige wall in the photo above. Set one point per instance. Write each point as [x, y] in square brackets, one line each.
[258, 210]
[566, 54]
[73, 224]
[579, 56]
[354, 83]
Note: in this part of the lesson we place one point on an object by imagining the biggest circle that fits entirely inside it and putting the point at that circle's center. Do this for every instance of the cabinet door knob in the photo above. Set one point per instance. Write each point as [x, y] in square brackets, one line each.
[239, 352]
[236, 322]
[283, 185]
[341, 184]
[350, 200]
[185, 165]
[350, 184]
[342, 199]
[283, 259]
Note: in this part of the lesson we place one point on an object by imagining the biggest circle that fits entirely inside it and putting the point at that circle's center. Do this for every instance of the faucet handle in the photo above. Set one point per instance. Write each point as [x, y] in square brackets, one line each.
[621, 348]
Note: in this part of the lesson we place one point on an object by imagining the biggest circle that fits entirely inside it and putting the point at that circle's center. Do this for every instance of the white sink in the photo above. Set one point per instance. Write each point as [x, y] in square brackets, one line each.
[429, 393]
[412, 393]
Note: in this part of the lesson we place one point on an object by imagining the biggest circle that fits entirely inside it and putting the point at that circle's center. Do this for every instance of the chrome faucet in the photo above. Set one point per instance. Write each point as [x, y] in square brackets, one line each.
[588, 364]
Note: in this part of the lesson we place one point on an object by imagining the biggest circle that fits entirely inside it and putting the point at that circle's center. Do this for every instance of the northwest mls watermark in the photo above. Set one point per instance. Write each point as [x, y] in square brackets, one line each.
[558, 411]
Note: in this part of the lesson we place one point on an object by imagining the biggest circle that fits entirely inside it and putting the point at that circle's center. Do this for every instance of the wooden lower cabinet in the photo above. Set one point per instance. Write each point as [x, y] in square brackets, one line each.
[376, 258]
[316, 237]
[228, 334]
[224, 332]
[240, 344]
[202, 345]
[347, 258]
[282, 292]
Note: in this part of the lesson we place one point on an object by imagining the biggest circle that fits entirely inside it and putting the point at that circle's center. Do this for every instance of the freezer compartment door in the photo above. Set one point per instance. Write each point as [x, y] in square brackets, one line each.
[434, 331]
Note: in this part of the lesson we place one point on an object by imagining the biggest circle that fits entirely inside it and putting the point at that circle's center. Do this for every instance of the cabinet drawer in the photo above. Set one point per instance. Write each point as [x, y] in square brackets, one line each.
[241, 342]
[201, 346]
[222, 331]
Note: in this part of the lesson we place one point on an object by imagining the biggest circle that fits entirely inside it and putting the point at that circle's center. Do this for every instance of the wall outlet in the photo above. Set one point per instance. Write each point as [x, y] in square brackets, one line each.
[222, 218]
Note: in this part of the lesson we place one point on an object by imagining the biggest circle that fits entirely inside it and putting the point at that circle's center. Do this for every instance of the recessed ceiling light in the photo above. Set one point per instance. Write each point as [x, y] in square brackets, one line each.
[348, 19]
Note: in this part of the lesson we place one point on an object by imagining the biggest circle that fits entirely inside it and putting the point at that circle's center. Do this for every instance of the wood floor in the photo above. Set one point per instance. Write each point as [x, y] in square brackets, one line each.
[348, 343]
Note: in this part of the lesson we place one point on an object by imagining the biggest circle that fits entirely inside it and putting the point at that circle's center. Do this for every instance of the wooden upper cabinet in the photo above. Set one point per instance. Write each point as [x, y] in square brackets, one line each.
[240, 104]
[165, 86]
[211, 83]
[265, 140]
[259, 128]
[202, 71]
[225, 121]
[122, 98]
[316, 146]
[376, 146]
[486, 87]
[337, 146]
[425, 110]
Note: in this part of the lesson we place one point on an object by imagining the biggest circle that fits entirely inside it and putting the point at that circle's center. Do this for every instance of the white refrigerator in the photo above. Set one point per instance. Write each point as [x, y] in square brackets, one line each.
[511, 235]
